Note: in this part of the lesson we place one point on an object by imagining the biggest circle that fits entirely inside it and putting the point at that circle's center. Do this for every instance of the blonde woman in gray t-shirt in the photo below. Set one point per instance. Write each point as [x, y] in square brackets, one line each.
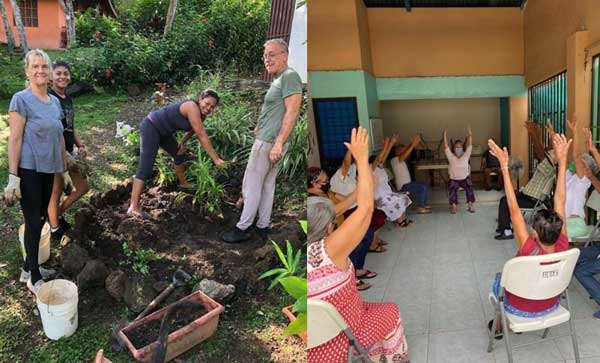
[36, 151]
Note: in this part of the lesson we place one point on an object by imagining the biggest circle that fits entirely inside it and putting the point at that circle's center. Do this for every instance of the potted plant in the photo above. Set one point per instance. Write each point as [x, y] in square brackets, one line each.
[295, 286]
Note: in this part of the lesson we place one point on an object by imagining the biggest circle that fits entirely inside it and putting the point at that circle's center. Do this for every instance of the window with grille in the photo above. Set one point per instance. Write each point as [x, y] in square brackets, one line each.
[29, 13]
[334, 119]
[547, 104]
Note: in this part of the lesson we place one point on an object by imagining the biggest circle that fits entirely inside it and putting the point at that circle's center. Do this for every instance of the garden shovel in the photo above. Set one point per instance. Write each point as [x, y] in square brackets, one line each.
[180, 278]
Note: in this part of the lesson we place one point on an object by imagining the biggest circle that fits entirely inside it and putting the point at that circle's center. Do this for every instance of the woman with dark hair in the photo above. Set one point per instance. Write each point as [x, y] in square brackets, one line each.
[377, 326]
[459, 170]
[60, 80]
[548, 235]
[158, 130]
[36, 152]
[318, 186]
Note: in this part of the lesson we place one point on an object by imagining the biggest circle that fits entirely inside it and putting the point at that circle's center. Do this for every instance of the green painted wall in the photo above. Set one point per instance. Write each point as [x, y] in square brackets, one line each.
[450, 87]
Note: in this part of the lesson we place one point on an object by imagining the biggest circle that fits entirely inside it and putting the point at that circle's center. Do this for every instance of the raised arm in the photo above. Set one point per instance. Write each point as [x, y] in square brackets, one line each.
[402, 156]
[344, 203]
[576, 149]
[518, 222]
[381, 155]
[344, 239]
[346, 163]
[535, 132]
[445, 139]
[469, 139]
[561, 150]
[591, 146]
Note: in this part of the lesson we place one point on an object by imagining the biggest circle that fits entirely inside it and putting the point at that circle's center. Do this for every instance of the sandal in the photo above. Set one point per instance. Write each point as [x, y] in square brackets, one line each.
[383, 243]
[367, 275]
[378, 249]
[424, 211]
[498, 334]
[362, 286]
[405, 223]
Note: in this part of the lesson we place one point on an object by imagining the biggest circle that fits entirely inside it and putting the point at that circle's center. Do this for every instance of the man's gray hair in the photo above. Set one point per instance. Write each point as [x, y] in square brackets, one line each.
[279, 42]
[321, 214]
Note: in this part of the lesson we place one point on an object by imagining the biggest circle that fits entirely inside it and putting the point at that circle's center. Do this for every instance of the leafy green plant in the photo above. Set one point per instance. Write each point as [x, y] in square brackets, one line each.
[297, 288]
[208, 193]
[166, 175]
[94, 30]
[138, 259]
[288, 260]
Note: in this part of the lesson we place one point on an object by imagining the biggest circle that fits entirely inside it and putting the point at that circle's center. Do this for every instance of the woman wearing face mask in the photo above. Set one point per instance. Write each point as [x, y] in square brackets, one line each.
[318, 186]
[36, 152]
[158, 130]
[459, 170]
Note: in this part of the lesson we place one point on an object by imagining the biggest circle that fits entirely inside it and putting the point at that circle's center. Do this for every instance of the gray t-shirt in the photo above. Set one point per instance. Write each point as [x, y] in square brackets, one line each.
[42, 134]
[285, 84]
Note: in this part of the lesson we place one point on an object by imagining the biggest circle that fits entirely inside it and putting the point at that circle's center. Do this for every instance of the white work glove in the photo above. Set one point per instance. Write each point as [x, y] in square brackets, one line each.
[67, 183]
[12, 192]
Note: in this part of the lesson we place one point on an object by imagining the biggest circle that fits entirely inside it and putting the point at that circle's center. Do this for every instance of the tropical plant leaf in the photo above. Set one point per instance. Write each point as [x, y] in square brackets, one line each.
[304, 225]
[294, 286]
[297, 326]
[280, 254]
[271, 273]
[300, 305]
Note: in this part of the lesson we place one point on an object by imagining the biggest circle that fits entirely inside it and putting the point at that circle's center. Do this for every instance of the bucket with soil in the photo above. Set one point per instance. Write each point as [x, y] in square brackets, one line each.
[188, 327]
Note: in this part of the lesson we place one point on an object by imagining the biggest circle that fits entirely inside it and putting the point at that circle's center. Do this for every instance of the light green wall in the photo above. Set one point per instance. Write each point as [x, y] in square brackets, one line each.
[450, 87]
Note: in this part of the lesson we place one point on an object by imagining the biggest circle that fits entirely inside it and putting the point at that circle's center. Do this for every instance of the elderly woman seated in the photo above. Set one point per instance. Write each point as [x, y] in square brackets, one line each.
[376, 326]
[548, 234]
[459, 170]
[318, 186]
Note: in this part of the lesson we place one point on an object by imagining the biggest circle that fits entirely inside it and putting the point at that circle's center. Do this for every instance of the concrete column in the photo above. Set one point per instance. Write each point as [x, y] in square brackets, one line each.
[578, 83]
[519, 140]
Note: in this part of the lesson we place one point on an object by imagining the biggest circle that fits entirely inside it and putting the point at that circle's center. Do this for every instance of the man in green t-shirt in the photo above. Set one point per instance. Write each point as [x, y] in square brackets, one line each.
[276, 121]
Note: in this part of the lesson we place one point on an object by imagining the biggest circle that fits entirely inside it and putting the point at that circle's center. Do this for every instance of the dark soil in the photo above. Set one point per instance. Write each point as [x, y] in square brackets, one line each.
[147, 333]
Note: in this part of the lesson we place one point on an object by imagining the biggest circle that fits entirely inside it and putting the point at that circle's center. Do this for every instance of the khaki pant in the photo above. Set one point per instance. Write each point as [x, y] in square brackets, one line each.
[258, 187]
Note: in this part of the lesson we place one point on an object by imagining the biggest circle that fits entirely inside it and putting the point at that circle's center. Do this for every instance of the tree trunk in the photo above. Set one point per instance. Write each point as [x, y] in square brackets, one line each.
[20, 27]
[170, 17]
[67, 8]
[10, 39]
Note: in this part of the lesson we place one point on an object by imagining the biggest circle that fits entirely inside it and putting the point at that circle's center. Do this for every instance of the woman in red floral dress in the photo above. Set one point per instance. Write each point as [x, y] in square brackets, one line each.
[377, 326]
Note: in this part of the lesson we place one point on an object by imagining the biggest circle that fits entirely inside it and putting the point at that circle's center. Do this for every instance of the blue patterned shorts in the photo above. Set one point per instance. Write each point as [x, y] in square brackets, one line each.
[512, 310]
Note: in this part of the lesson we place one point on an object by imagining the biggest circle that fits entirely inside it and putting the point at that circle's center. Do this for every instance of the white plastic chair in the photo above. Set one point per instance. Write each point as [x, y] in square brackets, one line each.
[547, 276]
[528, 213]
[325, 323]
[593, 233]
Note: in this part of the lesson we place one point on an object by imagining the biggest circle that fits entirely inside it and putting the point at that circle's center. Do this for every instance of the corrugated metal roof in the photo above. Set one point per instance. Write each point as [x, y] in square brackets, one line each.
[441, 3]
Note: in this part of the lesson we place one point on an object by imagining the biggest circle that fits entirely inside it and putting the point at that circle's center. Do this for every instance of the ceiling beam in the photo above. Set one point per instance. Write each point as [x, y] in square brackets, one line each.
[407, 5]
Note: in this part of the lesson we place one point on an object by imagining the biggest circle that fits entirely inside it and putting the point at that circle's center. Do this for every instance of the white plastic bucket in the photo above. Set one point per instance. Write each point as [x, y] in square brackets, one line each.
[57, 303]
[44, 253]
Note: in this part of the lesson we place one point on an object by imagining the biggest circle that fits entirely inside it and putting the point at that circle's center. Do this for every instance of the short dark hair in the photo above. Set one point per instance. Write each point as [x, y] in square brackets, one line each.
[548, 225]
[59, 63]
[209, 93]
[312, 175]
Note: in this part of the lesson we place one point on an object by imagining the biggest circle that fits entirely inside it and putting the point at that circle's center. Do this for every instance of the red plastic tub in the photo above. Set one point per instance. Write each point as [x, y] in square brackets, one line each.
[182, 339]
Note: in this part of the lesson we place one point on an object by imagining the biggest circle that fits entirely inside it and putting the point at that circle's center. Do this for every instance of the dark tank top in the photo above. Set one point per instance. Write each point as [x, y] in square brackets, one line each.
[169, 120]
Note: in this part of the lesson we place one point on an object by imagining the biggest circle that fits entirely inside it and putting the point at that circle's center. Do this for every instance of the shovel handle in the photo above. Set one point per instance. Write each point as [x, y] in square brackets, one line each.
[157, 300]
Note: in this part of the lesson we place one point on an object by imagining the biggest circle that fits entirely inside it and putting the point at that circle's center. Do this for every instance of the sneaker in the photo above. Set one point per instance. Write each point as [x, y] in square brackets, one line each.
[263, 233]
[46, 273]
[503, 236]
[57, 235]
[63, 223]
[235, 235]
[35, 288]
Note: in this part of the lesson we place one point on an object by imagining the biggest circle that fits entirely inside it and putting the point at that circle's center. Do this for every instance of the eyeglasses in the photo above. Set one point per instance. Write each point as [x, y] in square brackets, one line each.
[270, 55]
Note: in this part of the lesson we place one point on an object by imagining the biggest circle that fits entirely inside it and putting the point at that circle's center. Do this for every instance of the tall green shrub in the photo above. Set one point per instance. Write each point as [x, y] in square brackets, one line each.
[94, 30]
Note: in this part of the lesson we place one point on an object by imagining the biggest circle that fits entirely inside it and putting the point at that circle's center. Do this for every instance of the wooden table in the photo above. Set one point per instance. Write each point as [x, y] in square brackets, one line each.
[438, 165]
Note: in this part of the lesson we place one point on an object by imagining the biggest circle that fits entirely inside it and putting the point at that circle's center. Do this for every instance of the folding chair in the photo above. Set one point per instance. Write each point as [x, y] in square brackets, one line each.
[547, 276]
[543, 203]
[593, 233]
[325, 323]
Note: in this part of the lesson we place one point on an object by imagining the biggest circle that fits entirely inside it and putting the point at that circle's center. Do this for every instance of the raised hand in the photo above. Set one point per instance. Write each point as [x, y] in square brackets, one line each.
[469, 132]
[395, 139]
[590, 141]
[359, 145]
[500, 154]
[561, 147]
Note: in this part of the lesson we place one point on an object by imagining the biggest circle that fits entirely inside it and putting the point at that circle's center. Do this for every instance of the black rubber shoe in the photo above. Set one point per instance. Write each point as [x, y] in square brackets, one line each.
[235, 235]
[503, 236]
[263, 233]
[57, 235]
[64, 224]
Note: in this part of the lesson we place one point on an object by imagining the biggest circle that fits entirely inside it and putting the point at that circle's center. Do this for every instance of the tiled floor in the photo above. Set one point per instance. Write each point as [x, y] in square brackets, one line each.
[440, 271]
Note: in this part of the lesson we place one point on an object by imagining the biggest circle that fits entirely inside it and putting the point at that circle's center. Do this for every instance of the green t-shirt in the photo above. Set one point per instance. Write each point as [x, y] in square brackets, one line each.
[271, 115]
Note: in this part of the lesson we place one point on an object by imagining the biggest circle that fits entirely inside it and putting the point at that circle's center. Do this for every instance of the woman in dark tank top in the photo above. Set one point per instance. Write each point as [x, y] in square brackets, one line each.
[158, 130]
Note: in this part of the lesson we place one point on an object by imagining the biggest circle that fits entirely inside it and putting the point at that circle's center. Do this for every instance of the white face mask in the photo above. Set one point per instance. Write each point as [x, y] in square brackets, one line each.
[458, 151]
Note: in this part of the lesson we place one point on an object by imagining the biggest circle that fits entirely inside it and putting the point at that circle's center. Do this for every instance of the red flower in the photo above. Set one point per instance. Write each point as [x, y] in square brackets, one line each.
[108, 73]
[211, 42]
[97, 35]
